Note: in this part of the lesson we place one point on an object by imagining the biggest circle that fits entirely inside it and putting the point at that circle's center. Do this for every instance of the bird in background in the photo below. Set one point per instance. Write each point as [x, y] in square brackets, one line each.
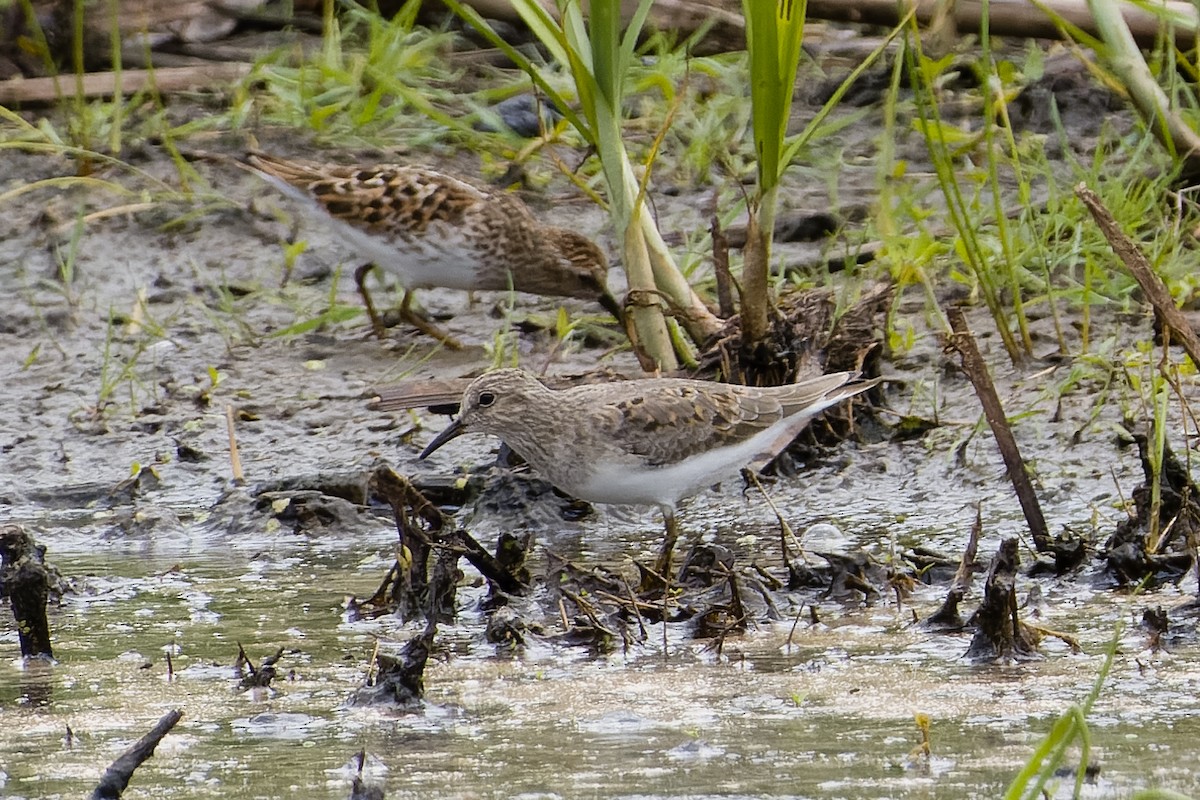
[431, 229]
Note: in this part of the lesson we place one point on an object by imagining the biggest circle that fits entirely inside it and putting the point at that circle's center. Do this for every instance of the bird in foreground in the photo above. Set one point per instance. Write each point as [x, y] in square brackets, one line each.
[653, 441]
[431, 229]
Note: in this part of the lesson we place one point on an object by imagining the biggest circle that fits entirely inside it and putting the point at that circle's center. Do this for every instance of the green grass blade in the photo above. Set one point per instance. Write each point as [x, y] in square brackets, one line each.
[801, 139]
[633, 32]
[472, 18]
[543, 26]
[604, 32]
[774, 33]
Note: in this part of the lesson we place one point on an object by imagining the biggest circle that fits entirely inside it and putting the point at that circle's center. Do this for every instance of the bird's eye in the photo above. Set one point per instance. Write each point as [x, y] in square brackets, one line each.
[486, 399]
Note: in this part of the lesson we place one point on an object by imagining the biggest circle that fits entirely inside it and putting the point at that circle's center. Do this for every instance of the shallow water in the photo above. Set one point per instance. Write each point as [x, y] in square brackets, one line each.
[829, 715]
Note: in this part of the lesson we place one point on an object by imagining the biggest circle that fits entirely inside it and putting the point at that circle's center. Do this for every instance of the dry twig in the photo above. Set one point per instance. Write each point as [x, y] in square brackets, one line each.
[1174, 324]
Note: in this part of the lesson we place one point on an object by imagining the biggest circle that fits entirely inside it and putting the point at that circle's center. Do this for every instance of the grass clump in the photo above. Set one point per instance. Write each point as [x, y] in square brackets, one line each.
[372, 79]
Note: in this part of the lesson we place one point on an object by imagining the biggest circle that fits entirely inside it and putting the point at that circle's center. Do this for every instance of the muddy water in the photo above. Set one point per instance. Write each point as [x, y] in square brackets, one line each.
[827, 714]
[824, 710]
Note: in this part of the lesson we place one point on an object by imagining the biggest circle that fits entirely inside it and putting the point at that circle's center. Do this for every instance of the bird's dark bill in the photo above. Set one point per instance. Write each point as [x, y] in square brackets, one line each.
[453, 430]
[612, 306]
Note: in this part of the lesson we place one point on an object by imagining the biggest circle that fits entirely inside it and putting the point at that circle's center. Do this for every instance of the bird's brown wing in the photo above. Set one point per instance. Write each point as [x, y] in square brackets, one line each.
[668, 420]
[386, 196]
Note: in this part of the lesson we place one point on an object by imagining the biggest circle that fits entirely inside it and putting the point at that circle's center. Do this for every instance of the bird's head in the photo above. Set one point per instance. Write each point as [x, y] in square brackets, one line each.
[496, 402]
[587, 268]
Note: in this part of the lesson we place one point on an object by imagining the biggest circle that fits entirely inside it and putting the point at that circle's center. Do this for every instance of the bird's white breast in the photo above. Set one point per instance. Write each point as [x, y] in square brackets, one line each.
[622, 483]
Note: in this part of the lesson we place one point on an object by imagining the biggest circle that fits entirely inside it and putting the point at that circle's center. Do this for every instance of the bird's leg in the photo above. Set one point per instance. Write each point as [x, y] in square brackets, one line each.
[406, 313]
[662, 564]
[360, 280]
[425, 326]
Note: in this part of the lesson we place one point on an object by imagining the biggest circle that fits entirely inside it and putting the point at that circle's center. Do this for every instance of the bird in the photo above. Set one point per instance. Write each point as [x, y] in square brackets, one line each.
[429, 228]
[649, 441]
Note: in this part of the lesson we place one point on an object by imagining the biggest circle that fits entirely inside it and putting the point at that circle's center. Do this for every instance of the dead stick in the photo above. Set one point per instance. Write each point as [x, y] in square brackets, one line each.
[487, 564]
[168, 80]
[1021, 19]
[1011, 19]
[1168, 314]
[947, 617]
[117, 776]
[785, 530]
[721, 269]
[972, 364]
[235, 460]
[966, 566]
[795, 622]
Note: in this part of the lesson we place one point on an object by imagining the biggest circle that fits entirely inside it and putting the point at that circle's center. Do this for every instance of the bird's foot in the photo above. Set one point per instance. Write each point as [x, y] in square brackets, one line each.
[659, 576]
[429, 329]
[406, 312]
[360, 280]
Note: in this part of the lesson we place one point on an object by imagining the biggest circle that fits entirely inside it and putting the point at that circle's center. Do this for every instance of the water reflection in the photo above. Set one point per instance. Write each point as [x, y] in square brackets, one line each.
[823, 709]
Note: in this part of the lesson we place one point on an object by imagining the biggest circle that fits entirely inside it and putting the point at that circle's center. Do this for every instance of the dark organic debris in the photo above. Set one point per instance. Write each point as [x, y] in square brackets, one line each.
[132, 487]
[600, 609]
[947, 617]
[802, 575]
[305, 511]
[1090, 772]
[398, 679]
[1130, 564]
[912, 427]
[852, 574]
[505, 626]
[1064, 97]
[303, 506]
[423, 583]
[29, 583]
[313, 503]
[406, 588]
[999, 633]
[349, 486]
[1156, 624]
[524, 114]
[596, 608]
[511, 552]
[251, 677]
[364, 786]
[116, 777]
[718, 619]
[705, 565]
[795, 226]
[506, 570]
[933, 566]
[1130, 555]
[806, 338]
[442, 586]
[868, 90]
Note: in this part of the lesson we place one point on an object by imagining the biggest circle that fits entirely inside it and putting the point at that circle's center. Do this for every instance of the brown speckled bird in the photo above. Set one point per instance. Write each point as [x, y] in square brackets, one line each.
[429, 228]
[654, 441]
